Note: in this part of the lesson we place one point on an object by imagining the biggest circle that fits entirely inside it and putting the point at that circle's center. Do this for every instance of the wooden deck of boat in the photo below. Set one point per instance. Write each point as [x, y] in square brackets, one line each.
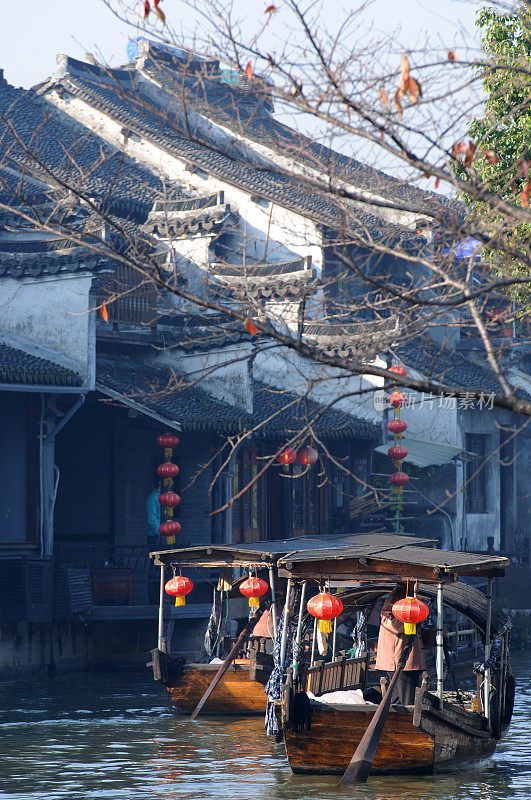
[234, 694]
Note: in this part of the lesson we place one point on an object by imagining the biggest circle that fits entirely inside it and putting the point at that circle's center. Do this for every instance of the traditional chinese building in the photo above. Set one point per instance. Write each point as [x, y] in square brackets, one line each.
[85, 398]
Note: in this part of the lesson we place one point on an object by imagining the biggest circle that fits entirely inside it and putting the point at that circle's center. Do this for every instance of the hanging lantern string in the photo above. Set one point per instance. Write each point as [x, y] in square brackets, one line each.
[398, 479]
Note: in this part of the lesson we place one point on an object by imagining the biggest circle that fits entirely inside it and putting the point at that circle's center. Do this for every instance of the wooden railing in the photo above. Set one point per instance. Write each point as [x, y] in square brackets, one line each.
[341, 674]
[136, 301]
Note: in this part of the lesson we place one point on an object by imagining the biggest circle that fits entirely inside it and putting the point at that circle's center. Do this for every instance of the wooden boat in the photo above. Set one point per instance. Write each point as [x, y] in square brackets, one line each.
[241, 690]
[437, 733]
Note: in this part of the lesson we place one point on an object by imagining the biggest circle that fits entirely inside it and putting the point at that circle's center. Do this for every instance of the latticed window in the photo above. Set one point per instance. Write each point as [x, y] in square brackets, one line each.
[247, 512]
[476, 488]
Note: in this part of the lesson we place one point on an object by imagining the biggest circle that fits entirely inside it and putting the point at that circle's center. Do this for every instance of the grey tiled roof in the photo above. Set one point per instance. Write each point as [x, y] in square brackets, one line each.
[117, 93]
[153, 386]
[19, 367]
[451, 366]
[290, 413]
[248, 112]
[157, 388]
[75, 155]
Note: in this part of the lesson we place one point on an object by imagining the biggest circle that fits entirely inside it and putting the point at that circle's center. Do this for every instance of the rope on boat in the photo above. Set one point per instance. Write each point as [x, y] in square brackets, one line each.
[273, 687]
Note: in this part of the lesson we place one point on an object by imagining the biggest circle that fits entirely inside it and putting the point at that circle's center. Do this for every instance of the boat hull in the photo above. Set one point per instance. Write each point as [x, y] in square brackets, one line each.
[329, 745]
[236, 693]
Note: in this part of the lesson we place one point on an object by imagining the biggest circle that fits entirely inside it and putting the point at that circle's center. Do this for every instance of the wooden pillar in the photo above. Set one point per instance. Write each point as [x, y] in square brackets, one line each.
[273, 601]
[298, 635]
[301, 612]
[440, 650]
[285, 628]
[314, 637]
[160, 644]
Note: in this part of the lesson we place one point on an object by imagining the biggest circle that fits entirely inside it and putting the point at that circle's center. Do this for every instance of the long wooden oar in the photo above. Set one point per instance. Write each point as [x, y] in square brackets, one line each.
[361, 762]
[244, 635]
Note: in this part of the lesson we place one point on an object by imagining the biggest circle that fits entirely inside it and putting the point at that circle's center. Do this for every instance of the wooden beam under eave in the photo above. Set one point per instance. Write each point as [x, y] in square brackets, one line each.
[371, 570]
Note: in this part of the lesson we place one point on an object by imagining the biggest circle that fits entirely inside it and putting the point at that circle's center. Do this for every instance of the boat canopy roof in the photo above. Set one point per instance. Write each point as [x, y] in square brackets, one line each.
[390, 562]
[465, 599]
[268, 552]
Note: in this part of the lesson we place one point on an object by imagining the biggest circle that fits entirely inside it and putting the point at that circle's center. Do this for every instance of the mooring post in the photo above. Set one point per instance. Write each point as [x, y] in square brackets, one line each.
[160, 644]
[440, 645]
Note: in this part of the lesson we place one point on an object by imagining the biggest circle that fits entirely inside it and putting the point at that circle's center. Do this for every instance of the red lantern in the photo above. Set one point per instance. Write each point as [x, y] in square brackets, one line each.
[397, 426]
[253, 588]
[397, 399]
[287, 456]
[325, 607]
[397, 453]
[169, 500]
[178, 587]
[398, 370]
[307, 456]
[167, 470]
[168, 440]
[169, 528]
[398, 478]
[410, 610]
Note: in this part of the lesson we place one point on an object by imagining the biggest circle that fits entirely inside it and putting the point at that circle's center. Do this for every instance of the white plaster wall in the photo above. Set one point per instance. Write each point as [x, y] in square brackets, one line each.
[287, 370]
[431, 419]
[223, 373]
[52, 314]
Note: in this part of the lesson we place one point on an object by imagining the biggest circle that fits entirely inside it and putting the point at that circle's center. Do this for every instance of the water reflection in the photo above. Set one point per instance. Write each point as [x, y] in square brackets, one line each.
[114, 736]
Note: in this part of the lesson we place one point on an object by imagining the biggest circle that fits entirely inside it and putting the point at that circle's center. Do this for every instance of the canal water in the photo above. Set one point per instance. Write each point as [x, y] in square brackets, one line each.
[113, 737]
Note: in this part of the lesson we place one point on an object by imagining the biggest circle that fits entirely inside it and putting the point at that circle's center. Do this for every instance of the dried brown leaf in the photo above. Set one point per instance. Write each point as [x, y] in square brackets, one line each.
[385, 99]
[396, 100]
[404, 74]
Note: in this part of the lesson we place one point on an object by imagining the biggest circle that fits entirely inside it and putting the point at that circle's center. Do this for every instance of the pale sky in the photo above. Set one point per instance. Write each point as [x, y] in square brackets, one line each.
[32, 32]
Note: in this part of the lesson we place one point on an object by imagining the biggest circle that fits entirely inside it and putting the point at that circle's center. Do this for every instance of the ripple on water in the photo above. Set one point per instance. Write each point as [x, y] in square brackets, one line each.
[104, 741]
